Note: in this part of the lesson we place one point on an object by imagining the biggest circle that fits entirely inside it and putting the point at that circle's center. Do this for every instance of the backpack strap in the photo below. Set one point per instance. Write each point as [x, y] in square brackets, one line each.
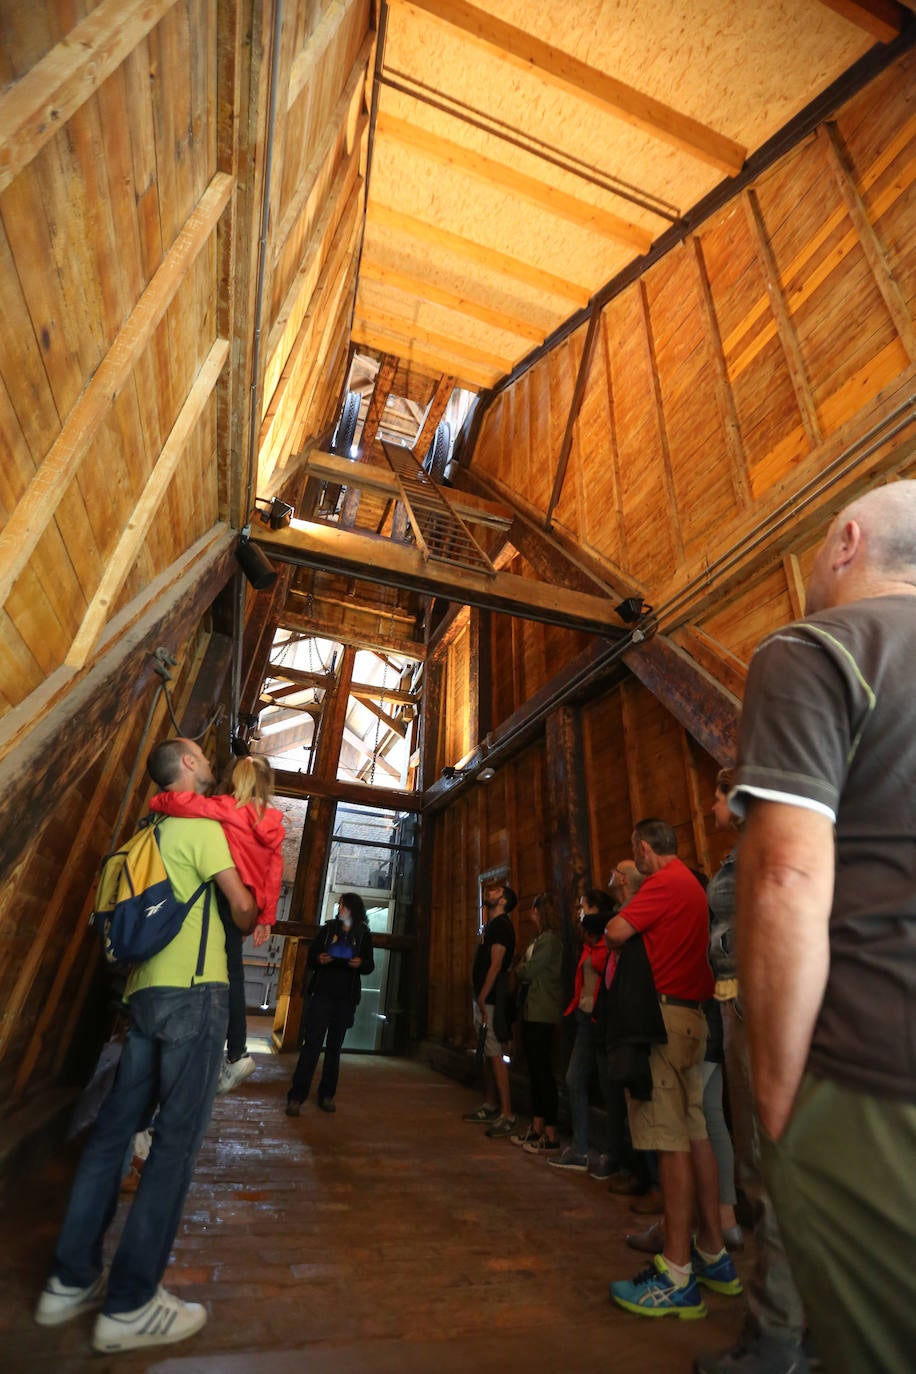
[204, 928]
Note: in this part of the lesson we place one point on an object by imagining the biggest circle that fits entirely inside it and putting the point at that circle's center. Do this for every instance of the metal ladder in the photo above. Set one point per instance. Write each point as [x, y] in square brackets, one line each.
[439, 531]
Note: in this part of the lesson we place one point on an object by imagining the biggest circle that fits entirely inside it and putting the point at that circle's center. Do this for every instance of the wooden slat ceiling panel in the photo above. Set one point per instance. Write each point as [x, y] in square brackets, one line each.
[646, 107]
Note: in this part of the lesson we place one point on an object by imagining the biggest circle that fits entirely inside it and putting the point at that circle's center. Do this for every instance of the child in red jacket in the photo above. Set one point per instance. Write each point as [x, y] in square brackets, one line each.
[255, 833]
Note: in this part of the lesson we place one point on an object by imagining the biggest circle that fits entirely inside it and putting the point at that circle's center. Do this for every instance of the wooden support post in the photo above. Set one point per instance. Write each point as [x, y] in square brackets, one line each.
[661, 427]
[570, 844]
[434, 412]
[316, 845]
[631, 753]
[692, 696]
[795, 585]
[380, 393]
[697, 811]
[875, 255]
[785, 329]
[725, 666]
[614, 445]
[585, 364]
[738, 464]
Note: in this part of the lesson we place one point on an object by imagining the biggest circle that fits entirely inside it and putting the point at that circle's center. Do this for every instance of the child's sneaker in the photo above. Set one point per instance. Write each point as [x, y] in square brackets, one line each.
[542, 1147]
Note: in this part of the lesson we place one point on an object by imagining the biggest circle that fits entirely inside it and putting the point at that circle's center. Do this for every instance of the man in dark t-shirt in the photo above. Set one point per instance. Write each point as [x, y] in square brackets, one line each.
[827, 929]
[490, 978]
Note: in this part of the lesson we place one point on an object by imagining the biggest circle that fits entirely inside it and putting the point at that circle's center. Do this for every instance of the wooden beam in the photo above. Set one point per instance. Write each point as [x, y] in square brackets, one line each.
[489, 258]
[283, 405]
[883, 19]
[565, 772]
[661, 429]
[434, 413]
[693, 697]
[788, 338]
[48, 758]
[367, 317]
[504, 177]
[38, 105]
[549, 562]
[321, 159]
[585, 363]
[329, 467]
[300, 292]
[289, 784]
[398, 726]
[371, 269]
[365, 749]
[39, 502]
[309, 61]
[323, 681]
[260, 627]
[377, 403]
[739, 470]
[385, 341]
[875, 255]
[795, 585]
[697, 809]
[375, 631]
[606, 93]
[121, 561]
[712, 656]
[373, 559]
[632, 757]
[603, 573]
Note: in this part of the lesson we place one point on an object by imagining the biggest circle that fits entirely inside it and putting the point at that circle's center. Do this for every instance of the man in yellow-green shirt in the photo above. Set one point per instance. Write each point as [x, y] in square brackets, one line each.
[172, 1057]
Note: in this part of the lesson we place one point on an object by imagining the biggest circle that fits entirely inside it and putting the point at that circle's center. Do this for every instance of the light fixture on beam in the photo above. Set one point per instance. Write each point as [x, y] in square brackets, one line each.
[278, 513]
[631, 609]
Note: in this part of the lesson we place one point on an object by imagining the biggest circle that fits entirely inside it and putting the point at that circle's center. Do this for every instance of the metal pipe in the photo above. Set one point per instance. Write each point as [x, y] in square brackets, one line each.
[254, 426]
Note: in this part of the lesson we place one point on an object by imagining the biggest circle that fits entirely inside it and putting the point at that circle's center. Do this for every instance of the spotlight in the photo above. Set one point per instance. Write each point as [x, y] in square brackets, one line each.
[632, 609]
[450, 773]
[255, 565]
[278, 514]
[486, 775]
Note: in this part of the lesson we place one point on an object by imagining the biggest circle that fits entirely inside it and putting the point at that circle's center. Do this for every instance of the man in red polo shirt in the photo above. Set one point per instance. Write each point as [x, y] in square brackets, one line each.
[670, 914]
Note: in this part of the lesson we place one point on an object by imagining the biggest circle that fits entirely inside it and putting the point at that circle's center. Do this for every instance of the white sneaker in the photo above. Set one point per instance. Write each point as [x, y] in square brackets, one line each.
[163, 1320]
[231, 1075]
[59, 1304]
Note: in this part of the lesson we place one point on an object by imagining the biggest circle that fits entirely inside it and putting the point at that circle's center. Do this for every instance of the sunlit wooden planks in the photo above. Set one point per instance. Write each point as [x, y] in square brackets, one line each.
[38, 105]
[472, 163]
[389, 217]
[137, 527]
[37, 507]
[560, 69]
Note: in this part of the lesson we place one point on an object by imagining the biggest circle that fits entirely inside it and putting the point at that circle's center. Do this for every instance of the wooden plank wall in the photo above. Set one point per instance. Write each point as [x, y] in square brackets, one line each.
[636, 760]
[741, 368]
[740, 392]
[129, 249]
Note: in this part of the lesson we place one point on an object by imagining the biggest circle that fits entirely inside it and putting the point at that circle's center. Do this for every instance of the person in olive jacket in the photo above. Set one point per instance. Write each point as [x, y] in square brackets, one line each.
[338, 959]
[539, 973]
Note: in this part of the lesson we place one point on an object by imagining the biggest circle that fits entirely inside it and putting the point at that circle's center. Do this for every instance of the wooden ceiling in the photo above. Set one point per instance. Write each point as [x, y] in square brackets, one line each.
[523, 155]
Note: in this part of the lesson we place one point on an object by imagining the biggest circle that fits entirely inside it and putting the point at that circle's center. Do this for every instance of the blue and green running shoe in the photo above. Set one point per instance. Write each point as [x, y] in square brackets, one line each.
[719, 1274]
[653, 1294]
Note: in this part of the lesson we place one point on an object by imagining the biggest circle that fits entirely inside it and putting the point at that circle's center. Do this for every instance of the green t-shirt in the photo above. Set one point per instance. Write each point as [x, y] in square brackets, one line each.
[192, 850]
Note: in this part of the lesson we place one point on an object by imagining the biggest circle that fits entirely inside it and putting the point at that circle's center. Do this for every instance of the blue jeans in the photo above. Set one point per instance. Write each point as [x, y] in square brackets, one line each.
[171, 1056]
[583, 1059]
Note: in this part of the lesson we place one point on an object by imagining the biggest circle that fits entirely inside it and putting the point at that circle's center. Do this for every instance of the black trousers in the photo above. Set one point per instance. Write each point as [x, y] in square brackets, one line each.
[326, 1022]
[537, 1038]
[236, 1036]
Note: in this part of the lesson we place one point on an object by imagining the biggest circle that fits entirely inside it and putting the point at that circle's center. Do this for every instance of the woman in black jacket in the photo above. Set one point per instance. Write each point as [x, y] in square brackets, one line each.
[338, 958]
